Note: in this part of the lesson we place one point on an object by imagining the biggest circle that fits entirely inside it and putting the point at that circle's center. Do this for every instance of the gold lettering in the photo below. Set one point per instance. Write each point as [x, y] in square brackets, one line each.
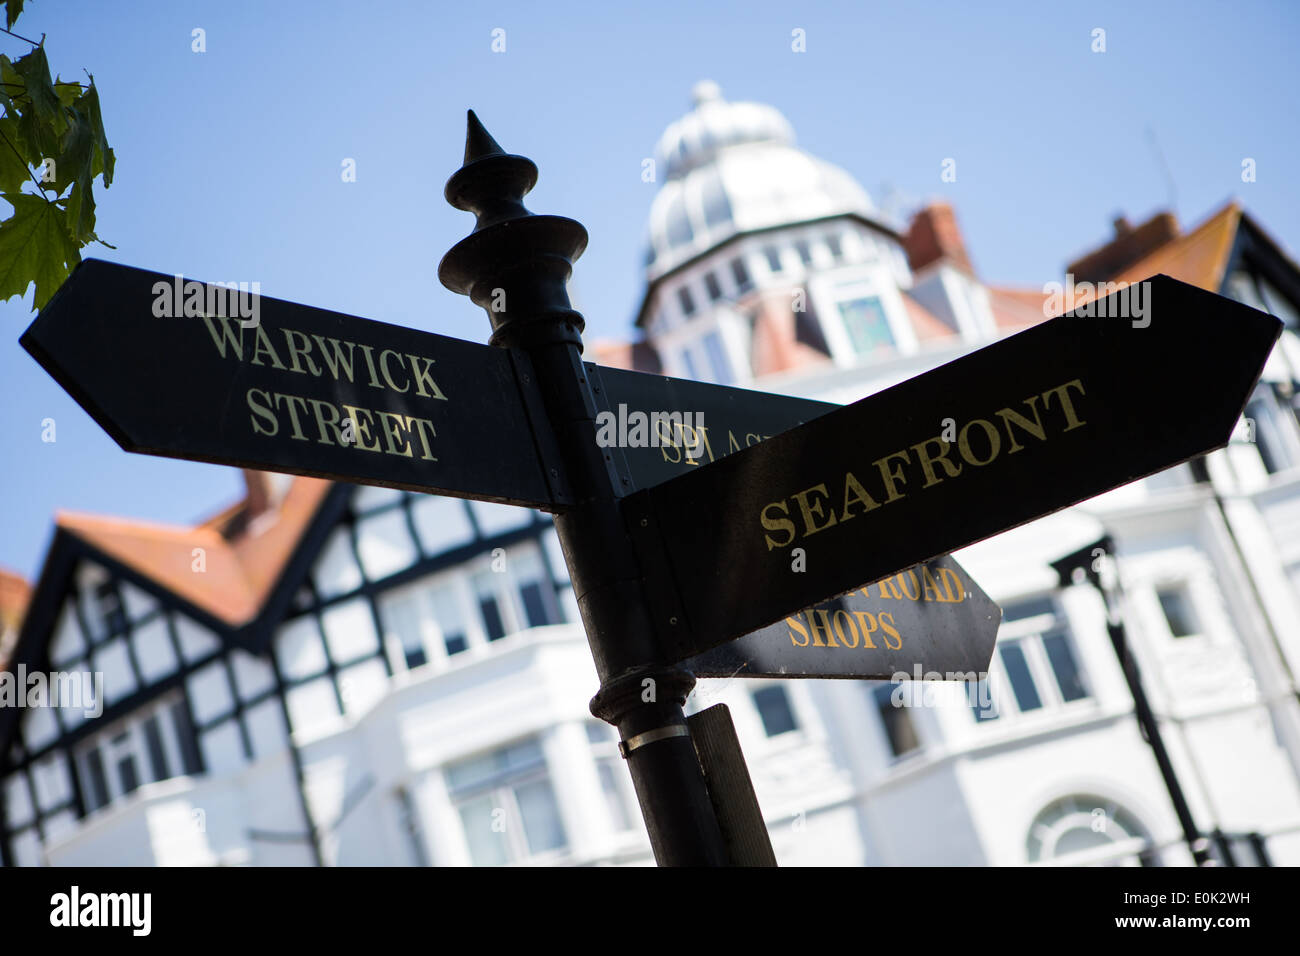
[227, 335]
[777, 524]
[892, 477]
[853, 491]
[963, 443]
[927, 461]
[388, 376]
[424, 439]
[263, 344]
[929, 586]
[391, 426]
[863, 618]
[422, 378]
[336, 361]
[1063, 392]
[1035, 428]
[261, 411]
[292, 409]
[839, 630]
[814, 509]
[891, 629]
[826, 629]
[795, 624]
[953, 585]
[363, 426]
[321, 420]
[366, 350]
[902, 584]
[300, 349]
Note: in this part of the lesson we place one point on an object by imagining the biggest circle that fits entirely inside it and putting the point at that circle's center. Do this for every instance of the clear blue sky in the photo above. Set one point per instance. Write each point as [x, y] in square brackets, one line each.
[228, 162]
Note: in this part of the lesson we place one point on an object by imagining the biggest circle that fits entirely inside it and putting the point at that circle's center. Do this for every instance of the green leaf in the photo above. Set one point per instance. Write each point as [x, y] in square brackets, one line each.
[13, 167]
[35, 245]
[12, 9]
[34, 68]
[67, 92]
[88, 106]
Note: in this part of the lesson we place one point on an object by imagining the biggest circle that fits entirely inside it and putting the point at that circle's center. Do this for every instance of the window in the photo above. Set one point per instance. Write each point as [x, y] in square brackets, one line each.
[95, 780]
[153, 745]
[712, 286]
[741, 275]
[864, 319]
[451, 622]
[804, 250]
[108, 603]
[1064, 667]
[774, 709]
[506, 805]
[773, 257]
[1178, 612]
[1084, 823]
[615, 781]
[896, 721]
[1022, 682]
[686, 301]
[489, 606]
[836, 247]
[536, 596]
[713, 197]
[1263, 431]
[713, 348]
[1036, 667]
[688, 363]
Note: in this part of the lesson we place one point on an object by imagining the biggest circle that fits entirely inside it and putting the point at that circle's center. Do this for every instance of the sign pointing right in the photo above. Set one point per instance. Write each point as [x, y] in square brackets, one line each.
[1042, 420]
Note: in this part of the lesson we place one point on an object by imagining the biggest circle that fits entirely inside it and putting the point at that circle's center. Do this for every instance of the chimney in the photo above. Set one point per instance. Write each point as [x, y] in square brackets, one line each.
[1131, 244]
[934, 235]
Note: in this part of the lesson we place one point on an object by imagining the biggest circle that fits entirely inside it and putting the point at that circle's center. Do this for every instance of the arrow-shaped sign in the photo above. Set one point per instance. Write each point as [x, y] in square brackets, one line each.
[931, 621]
[1037, 422]
[202, 372]
[933, 618]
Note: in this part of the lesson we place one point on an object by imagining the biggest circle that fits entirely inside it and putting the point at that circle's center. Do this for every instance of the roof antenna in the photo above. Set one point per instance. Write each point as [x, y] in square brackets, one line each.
[1164, 168]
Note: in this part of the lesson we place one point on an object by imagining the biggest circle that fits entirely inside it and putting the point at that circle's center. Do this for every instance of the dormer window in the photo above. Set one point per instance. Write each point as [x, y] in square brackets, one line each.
[686, 301]
[741, 275]
[713, 287]
[864, 320]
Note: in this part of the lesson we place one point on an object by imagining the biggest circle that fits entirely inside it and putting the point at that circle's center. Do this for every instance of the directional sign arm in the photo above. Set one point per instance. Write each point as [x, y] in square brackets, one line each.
[1042, 420]
[195, 371]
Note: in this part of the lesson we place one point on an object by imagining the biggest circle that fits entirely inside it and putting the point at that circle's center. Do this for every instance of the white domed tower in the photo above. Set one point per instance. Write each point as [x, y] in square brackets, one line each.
[764, 258]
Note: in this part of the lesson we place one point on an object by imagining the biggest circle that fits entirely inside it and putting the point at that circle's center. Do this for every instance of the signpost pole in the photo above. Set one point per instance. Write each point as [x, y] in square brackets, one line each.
[515, 265]
[1085, 560]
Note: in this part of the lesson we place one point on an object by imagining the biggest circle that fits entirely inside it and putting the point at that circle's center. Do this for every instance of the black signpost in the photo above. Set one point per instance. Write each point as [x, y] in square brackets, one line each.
[291, 388]
[763, 509]
[1037, 422]
[929, 622]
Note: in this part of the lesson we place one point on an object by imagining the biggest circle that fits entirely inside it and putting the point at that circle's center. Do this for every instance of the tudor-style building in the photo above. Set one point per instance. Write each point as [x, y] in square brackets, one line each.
[331, 674]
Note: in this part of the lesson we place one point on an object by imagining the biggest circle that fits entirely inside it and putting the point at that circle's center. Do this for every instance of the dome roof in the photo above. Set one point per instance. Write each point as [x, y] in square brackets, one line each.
[733, 167]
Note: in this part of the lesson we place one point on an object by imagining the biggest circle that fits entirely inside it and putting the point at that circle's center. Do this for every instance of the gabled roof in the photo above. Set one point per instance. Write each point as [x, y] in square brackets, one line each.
[238, 572]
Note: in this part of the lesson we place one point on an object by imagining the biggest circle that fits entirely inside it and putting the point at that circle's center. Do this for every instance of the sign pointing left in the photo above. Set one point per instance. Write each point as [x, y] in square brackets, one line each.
[263, 383]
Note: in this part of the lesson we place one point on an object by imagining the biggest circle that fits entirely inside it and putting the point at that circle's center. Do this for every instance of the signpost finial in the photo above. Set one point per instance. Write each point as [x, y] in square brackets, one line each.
[515, 264]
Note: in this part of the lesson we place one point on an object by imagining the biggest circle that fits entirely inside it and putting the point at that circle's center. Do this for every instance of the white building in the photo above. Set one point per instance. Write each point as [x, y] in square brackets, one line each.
[341, 675]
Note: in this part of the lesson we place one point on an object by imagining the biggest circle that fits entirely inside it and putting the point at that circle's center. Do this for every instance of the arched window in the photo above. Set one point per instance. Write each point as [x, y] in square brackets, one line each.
[1093, 829]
